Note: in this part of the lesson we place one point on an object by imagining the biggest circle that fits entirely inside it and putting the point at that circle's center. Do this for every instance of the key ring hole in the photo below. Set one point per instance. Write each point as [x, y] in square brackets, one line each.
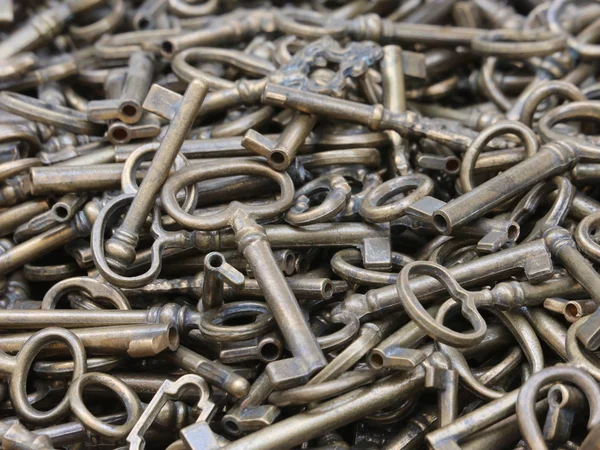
[584, 111]
[108, 215]
[556, 397]
[91, 288]
[238, 320]
[434, 328]
[320, 200]
[501, 128]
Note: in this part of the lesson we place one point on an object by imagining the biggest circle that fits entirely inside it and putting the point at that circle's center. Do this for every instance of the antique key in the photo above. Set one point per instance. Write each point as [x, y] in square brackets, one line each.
[182, 111]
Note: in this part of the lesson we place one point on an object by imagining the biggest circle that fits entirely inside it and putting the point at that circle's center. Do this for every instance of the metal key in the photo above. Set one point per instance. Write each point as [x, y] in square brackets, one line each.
[254, 245]
[182, 112]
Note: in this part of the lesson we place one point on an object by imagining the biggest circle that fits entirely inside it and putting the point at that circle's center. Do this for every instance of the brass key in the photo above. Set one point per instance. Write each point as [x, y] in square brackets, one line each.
[182, 112]
[407, 124]
[254, 245]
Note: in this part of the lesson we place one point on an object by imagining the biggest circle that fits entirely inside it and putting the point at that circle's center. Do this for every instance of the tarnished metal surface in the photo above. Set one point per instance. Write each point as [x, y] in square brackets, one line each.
[316, 224]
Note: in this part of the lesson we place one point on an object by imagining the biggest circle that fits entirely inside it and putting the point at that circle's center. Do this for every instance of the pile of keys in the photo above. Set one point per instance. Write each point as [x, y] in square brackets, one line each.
[318, 224]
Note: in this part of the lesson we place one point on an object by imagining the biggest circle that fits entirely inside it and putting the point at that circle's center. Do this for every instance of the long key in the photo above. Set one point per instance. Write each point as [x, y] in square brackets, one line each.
[182, 112]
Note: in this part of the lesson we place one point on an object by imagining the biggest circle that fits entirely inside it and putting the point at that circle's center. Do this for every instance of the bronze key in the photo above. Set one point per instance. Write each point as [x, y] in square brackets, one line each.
[254, 245]
[182, 112]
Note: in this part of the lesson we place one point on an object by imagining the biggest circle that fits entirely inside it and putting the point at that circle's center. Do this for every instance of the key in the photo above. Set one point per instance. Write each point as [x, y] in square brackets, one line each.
[407, 124]
[253, 243]
[533, 258]
[137, 341]
[552, 159]
[182, 112]
[303, 287]
[172, 314]
[563, 247]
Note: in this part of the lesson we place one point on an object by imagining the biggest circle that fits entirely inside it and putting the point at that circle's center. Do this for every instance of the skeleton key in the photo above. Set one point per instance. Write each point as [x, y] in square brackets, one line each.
[562, 245]
[137, 341]
[182, 112]
[533, 258]
[172, 314]
[494, 233]
[552, 159]
[376, 117]
[254, 245]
